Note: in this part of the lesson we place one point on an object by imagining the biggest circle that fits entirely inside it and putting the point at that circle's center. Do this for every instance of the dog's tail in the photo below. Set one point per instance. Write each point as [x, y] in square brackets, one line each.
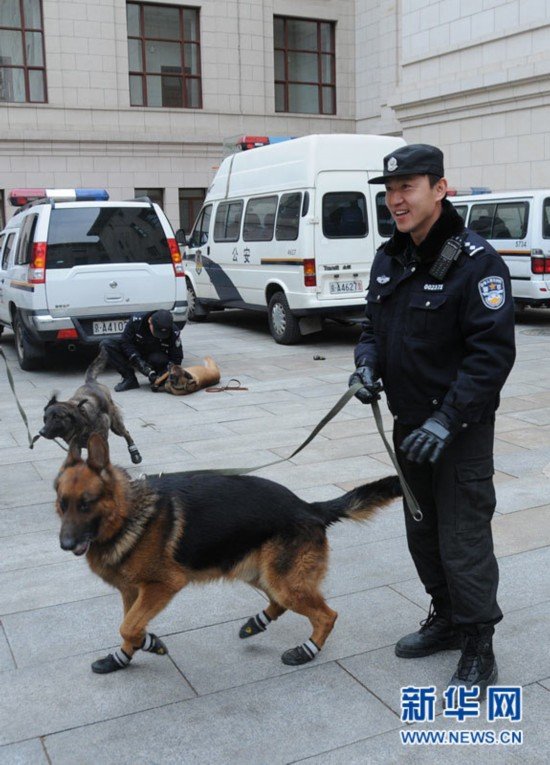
[97, 366]
[360, 503]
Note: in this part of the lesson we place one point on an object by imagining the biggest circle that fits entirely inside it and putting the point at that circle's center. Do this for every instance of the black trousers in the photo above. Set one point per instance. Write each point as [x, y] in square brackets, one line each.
[119, 361]
[452, 547]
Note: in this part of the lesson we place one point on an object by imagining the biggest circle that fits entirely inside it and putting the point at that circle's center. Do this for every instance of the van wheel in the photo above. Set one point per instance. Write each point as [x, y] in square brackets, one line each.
[195, 311]
[30, 355]
[283, 325]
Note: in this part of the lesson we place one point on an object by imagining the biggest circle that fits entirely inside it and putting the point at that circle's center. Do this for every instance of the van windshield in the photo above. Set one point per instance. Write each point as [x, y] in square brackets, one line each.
[92, 235]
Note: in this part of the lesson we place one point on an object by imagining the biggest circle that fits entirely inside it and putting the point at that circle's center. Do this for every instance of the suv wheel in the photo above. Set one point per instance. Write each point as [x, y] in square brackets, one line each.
[284, 327]
[30, 355]
[195, 311]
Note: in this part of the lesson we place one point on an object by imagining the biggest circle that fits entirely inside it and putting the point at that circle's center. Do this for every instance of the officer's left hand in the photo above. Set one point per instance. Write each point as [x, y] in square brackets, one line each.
[428, 441]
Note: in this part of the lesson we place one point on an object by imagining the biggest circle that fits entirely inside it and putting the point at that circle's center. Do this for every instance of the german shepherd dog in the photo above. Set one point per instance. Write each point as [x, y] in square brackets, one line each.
[90, 409]
[180, 381]
[152, 536]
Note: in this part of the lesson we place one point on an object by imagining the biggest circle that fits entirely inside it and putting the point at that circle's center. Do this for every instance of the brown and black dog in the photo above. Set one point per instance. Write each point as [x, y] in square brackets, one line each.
[152, 536]
[90, 409]
[180, 381]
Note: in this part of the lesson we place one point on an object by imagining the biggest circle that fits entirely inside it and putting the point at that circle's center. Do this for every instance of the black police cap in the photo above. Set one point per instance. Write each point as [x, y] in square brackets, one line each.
[162, 324]
[415, 159]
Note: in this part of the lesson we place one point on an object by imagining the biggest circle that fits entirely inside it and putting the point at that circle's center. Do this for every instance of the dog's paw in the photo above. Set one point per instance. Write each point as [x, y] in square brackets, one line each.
[135, 455]
[109, 663]
[301, 654]
[153, 644]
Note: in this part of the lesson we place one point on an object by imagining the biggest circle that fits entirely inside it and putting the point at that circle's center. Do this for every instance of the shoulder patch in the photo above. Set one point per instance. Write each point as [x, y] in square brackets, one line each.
[492, 291]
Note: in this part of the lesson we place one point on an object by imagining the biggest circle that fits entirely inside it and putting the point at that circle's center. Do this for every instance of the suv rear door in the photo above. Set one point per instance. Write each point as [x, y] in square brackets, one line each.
[107, 260]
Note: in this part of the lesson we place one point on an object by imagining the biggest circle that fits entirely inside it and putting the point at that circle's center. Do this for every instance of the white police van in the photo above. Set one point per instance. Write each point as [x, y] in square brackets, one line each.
[75, 266]
[517, 224]
[291, 229]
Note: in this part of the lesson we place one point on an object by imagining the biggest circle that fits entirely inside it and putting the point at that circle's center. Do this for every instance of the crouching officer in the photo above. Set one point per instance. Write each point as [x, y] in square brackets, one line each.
[150, 343]
[439, 337]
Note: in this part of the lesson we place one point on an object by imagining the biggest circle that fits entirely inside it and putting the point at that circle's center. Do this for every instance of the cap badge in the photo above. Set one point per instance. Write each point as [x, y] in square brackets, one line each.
[392, 164]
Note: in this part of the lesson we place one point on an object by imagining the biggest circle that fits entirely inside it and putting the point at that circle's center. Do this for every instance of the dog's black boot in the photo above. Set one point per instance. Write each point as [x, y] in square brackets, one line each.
[436, 633]
[301, 654]
[255, 625]
[134, 454]
[153, 644]
[127, 383]
[112, 662]
[477, 665]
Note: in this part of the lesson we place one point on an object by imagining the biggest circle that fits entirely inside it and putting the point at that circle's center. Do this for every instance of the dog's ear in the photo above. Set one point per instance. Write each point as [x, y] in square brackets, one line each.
[98, 453]
[74, 454]
[186, 374]
[81, 403]
[53, 400]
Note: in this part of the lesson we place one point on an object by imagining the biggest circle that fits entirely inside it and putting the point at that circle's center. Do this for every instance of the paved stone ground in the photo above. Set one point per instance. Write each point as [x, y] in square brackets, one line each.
[217, 699]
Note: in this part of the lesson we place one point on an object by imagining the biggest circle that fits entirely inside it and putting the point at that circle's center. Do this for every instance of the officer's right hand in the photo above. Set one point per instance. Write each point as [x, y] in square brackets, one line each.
[372, 385]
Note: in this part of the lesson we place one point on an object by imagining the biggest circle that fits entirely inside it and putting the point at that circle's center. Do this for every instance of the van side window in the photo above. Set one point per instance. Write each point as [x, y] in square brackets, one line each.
[505, 220]
[288, 218]
[259, 220]
[344, 215]
[546, 219]
[462, 210]
[227, 223]
[7, 249]
[383, 215]
[202, 226]
[24, 250]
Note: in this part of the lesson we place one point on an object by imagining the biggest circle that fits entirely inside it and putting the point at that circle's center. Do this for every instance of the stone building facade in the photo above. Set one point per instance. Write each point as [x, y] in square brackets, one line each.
[140, 96]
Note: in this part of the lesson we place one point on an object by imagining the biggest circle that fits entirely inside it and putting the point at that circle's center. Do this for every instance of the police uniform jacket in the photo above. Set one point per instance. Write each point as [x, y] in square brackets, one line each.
[446, 346]
[138, 339]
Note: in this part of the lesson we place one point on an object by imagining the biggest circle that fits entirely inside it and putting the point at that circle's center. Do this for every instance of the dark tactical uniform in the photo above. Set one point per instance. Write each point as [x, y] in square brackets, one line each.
[139, 348]
[448, 347]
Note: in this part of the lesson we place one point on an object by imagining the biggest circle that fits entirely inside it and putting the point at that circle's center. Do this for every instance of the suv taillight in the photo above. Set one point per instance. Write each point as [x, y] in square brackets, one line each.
[310, 276]
[37, 266]
[175, 254]
[540, 264]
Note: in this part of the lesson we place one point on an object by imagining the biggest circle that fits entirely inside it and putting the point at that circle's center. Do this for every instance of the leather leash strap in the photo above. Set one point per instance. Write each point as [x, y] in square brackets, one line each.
[21, 410]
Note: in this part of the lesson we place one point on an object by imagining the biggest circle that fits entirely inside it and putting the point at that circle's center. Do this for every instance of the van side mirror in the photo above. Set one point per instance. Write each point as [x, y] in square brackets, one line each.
[181, 237]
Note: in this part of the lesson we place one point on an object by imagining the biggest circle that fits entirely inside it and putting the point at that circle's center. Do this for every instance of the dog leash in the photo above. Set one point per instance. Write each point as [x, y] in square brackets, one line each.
[412, 504]
[21, 410]
[32, 439]
[222, 388]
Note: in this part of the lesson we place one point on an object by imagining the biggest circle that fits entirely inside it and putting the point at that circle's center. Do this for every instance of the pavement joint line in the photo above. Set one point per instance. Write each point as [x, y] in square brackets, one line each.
[52, 605]
[2, 628]
[46, 753]
[363, 684]
[178, 669]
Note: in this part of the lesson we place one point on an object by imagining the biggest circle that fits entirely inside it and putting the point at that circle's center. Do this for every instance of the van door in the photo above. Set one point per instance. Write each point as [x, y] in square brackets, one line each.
[107, 260]
[197, 254]
[344, 234]
[6, 264]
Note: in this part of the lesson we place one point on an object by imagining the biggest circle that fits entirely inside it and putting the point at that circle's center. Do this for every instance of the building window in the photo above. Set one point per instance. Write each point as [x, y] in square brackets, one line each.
[22, 68]
[305, 77]
[164, 56]
[155, 195]
[190, 201]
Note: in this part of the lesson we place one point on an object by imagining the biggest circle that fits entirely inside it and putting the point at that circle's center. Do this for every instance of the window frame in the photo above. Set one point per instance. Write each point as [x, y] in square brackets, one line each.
[298, 217]
[319, 52]
[496, 204]
[6, 247]
[189, 203]
[250, 211]
[143, 74]
[24, 30]
[342, 192]
[227, 204]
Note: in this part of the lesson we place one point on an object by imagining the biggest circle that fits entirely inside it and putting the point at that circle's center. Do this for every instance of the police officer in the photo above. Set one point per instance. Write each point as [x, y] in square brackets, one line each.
[150, 343]
[439, 337]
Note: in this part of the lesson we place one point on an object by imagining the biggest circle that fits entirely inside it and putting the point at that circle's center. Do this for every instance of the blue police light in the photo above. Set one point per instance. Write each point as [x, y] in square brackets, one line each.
[91, 195]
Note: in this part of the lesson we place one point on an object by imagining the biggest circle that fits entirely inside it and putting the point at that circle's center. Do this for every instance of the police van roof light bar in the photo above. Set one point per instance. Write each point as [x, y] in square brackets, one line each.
[20, 197]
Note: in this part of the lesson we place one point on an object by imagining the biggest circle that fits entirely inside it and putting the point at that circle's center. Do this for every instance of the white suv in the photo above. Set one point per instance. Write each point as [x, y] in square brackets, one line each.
[74, 267]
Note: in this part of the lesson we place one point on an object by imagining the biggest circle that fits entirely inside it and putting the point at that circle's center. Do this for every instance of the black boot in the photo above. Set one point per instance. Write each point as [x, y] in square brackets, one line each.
[477, 665]
[436, 633]
[127, 383]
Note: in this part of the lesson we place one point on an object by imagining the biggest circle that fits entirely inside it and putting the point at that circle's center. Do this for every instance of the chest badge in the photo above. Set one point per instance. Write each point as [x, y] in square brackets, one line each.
[382, 279]
[492, 292]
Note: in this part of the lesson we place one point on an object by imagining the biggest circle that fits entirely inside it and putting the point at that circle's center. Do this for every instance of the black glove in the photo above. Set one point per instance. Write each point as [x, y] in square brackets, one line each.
[372, 385]
[152, 376]
[142, 365]
[428, 441]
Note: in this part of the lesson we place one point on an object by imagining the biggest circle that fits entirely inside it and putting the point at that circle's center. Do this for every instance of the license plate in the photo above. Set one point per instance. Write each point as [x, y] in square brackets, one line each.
[112, 327]
[339, 287]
